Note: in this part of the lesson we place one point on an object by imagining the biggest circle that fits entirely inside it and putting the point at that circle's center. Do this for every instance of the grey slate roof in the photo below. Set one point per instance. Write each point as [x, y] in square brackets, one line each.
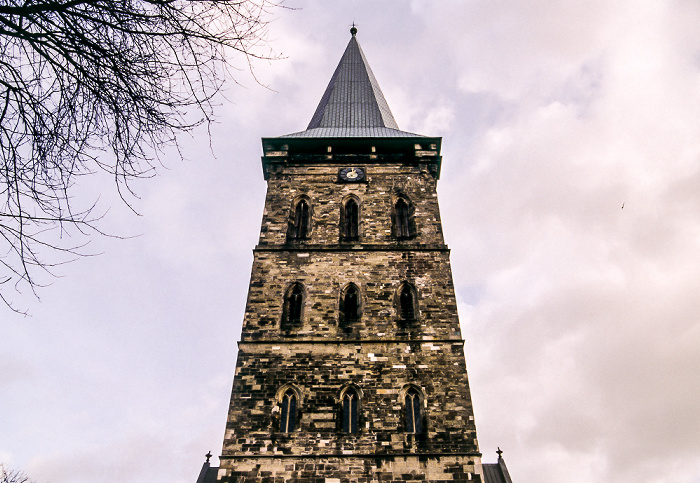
[208, 473]
[353, 104]
[496, 473]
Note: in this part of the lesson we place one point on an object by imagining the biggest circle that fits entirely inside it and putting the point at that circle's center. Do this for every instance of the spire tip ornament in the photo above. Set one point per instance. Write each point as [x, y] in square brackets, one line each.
[353, 29]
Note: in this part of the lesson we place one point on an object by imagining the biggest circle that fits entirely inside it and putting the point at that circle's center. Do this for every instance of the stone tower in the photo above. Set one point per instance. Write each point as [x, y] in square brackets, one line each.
[351, 362]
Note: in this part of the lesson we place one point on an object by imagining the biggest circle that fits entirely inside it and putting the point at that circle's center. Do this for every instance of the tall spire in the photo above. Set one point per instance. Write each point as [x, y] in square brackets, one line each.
[353, 104]
[353, 97]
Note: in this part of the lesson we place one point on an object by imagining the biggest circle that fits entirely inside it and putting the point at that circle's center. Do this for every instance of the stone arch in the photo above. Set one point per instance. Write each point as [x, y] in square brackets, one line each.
[403, 223]
[413, 409]
[350, 220]
[349, 305]
[293, 306]
[406, 303]
[300, 218]
[288, 405]
[350, 409]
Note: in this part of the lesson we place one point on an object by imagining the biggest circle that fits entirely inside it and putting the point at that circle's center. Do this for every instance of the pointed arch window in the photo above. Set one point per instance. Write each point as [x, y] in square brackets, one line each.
[350, 411]
[413, 414]
[300, 225]
[407, 303]
[403, 219]
[350, 304]
[293, 305]
[288, 408]
[350, 220]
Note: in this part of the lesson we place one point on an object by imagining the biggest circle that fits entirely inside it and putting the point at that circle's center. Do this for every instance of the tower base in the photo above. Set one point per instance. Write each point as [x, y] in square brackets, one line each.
[351, 468]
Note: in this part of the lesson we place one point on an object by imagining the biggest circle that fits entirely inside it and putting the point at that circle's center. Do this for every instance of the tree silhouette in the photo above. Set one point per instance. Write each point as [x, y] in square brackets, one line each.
[12, 476]
[89, 85]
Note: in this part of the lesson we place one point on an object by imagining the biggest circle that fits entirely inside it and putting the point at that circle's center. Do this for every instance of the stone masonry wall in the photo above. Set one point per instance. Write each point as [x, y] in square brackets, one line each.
[320, 371]
[376, 195]
[379, 355]
[445, 469]
[378, 275]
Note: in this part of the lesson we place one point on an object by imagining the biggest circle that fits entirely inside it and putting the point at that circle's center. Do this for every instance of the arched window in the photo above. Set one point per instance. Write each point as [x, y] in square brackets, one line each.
[293, 304]
[402, 219]
[350, 411]
[412, 408]
[350, 303]
[350, 220]
[407, 303]
[288, 409]
[299, 228]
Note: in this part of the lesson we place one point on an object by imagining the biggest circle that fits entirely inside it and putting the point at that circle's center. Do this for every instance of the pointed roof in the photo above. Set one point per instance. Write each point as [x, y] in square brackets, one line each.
[353, 104]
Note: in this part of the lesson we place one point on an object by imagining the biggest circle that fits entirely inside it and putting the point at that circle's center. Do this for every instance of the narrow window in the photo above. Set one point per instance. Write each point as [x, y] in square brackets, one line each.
[407, 309]
[351, 214]
[295, 301]
[293, 304]
[412, 407]
[350, 411]
[403, 219]
[350, 304]
[300, 227]
[289, 411]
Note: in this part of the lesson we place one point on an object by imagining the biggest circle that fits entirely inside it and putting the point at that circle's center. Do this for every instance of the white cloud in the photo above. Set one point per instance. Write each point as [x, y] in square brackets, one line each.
[581, 323]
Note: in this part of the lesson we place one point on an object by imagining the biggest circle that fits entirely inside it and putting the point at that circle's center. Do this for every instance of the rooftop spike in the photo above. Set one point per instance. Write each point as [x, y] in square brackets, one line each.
[353, 104]
[353, 97]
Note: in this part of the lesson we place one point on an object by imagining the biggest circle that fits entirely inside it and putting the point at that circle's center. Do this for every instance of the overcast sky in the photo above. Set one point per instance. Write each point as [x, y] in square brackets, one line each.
[581, 316]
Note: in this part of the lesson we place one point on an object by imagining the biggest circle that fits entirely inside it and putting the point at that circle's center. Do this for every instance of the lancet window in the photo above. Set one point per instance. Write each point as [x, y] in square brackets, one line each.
[293, 305]
[403, 219]
[350, 220]
[407, 303]
[413, 414]
[350, 411]
[350, 304]
[300, 222]
[288, 410]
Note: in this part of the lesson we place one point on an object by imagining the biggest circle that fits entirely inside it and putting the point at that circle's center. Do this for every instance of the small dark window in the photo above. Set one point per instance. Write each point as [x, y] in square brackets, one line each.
[293, 303]
[300, 223]
[350, 304]
[289, 411]
[350, 411]
[295, 300]
[402, 219]
[412, 407]
[351, 221]
[407, 310]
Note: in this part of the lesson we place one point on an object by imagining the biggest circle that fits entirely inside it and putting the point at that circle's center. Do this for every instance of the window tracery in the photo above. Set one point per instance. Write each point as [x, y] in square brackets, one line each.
[350, 411]
[412, 417]
[300, 227]
[288, 410]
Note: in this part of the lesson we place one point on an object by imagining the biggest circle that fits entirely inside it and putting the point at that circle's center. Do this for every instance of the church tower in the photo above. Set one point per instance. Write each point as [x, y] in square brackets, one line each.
[351, 361]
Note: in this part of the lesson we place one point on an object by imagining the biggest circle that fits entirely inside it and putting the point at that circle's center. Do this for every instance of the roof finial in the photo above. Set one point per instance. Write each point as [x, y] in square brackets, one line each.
[208, 455]
[353, 30]
[499, 452]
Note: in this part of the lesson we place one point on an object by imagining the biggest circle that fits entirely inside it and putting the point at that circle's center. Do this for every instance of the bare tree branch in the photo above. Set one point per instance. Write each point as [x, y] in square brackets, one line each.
[100, 84]
[12, 476]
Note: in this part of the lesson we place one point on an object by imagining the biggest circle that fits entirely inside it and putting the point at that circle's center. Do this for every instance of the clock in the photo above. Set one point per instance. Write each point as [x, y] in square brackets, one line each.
[352, 174]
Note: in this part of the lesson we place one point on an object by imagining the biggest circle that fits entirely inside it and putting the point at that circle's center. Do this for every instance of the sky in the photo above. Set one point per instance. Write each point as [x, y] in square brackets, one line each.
[570, 199]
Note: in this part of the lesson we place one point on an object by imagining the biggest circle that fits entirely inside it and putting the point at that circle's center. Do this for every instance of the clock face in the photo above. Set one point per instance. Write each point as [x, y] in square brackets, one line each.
[352, 174]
